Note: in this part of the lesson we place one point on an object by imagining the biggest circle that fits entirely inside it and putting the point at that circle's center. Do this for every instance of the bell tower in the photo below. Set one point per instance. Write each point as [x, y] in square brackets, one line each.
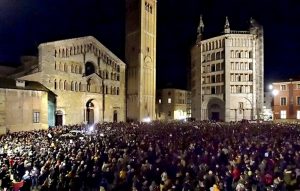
[140, 56]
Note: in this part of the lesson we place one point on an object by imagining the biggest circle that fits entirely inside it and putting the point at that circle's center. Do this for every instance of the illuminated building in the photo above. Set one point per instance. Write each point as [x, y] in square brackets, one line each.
[173, 104]
[227, 73]
[88, 79]
[286, 100]
[140, 53]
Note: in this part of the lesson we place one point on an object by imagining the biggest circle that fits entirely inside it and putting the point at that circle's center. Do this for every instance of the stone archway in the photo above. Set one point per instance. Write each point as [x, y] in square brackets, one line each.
[58, 118]
[115, 116]
[216, 109]
[90, 112]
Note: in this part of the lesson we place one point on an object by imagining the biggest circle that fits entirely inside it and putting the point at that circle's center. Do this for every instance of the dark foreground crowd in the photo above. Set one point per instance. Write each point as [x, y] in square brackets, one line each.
[155, 156]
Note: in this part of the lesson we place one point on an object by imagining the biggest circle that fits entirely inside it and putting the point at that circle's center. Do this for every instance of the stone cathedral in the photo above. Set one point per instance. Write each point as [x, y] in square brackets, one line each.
[79, 80]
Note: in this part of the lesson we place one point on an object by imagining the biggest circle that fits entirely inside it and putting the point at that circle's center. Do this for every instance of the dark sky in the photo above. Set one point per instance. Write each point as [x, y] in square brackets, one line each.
[24, 24]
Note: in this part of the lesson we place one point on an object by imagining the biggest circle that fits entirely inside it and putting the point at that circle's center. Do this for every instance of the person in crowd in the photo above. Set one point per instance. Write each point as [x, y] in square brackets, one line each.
[156, 156]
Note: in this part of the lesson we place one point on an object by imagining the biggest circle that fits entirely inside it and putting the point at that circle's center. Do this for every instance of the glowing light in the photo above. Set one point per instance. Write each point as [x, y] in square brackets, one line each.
[91, 128]
[270, 87]
[147, 120]
[275, 92]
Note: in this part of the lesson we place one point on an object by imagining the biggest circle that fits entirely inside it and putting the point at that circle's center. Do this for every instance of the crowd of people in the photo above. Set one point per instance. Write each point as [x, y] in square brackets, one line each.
[175, 156]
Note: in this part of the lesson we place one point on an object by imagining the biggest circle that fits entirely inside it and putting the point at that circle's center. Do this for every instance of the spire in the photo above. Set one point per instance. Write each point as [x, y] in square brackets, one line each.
[254, 26]
[226, 26]
[200, 30]
[253, 23]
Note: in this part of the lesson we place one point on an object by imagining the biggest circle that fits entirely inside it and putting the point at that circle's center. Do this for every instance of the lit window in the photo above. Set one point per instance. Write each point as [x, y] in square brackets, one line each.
[283, 101]
[159, 101]
[283, 114]
[298, 86]
[298, 100]
[283, 87]
[298, 114]
[169, 100]
[36, 117]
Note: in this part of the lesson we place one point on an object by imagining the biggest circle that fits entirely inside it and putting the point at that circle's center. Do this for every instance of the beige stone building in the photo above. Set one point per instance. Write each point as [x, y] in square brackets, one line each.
[140, 53]
[227, 73]
[24, 105]
[173, 104]
[88, 79]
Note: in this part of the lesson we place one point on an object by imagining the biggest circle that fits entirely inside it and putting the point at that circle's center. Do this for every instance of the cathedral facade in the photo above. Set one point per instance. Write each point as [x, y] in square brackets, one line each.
[87, 78]
[227, 73]
[89, 82]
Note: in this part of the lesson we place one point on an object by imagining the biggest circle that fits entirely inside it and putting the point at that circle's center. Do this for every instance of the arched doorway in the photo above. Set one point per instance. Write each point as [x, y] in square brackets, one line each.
[58, 118]
[90, 112]
[215, 109]
[115, 118]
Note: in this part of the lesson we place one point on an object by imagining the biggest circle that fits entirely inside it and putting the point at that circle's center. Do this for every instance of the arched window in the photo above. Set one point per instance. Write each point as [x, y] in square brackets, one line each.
[218, 56]
[61, 85]
[117, 90]
[77, 69]
[61, 66]
[89, 68]
[250, 54]
[80, 70]
[55, 53]
[72, 68]
[65, 67]
[118, 68]
[118, 77]
[72, 86]
[79, 87]
[213, 56]
[55, 84]
[65, 85]
[76, 87]
[111, 76]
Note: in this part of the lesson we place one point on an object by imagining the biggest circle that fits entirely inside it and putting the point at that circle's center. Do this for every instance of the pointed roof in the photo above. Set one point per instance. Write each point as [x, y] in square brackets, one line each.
[200, 26]
[227, 25]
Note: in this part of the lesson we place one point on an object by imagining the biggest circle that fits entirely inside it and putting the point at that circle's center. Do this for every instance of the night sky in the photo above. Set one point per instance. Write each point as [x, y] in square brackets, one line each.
[24, 24]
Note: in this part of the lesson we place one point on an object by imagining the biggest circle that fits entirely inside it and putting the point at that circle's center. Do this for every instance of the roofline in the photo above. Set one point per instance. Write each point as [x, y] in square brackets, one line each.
[91, 38]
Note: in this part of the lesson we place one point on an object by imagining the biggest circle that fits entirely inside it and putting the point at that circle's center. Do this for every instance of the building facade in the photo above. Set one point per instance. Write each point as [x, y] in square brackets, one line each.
[88, 79]
[227, 73]
[286, 100]
[25, 105]
[173, 104]
[140, 53]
